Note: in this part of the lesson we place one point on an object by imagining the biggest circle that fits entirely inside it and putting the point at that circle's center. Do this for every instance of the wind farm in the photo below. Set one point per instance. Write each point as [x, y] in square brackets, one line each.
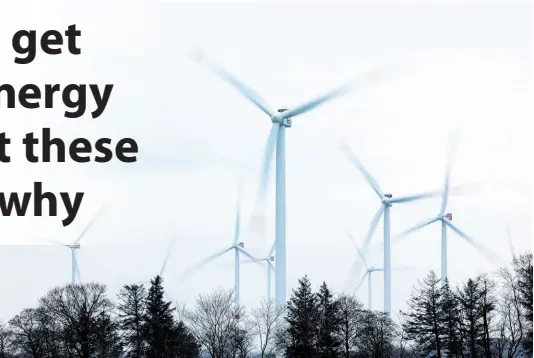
[337, 121]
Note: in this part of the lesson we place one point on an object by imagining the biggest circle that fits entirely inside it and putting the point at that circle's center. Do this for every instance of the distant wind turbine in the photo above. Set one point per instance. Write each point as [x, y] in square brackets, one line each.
[368, 271]
[75, 270]
[386, 201]
[269, 260]
[238, 247]
[281, 119]
[446, 220]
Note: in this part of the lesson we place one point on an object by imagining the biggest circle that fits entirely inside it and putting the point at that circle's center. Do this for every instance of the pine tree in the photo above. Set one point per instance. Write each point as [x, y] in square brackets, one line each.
[452, 339]
[329, 320]
[131, 314]
[424, 319]
[106, 340]
[472, 329]
[302, 322]
[158, 327]
[186, 345]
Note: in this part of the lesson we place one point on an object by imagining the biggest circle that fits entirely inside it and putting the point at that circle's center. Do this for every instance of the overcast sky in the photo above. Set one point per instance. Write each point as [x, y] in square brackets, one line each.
[467, 66]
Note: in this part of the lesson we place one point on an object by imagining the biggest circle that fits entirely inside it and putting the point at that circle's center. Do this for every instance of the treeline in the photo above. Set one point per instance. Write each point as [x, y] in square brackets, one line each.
[487, 316]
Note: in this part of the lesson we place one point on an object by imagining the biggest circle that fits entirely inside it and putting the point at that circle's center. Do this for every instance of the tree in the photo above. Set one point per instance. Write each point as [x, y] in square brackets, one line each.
[5, 341]
[28, 334]
[159, 332]
[214, 321]
[452, 339]
[376, 334]
[511, 330]
[302, 322]
[523, 269]
[328, 319]
[350, 313]
[76, 309]
[263, 323]
[131, 311]
[106, 340]
[423, 321]
[488, 306]
[187, 345]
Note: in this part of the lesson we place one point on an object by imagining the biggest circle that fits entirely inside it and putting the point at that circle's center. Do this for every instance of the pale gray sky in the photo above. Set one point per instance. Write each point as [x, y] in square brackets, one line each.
[469, 68]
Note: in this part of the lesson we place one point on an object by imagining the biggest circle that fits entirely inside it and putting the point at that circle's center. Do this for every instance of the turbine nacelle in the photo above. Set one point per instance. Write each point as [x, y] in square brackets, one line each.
[386, 200]
[278, 118]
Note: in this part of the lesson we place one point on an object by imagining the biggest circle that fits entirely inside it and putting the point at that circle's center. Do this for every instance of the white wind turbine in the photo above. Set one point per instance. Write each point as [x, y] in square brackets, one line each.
[386, 201]
[269, 260]
[446, 219]
[368, 272]
[281, 119]
[75, 270]
[238, 247]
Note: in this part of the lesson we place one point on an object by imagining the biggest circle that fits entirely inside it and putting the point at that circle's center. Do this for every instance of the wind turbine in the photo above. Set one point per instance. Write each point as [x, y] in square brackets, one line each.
[75, 271]
[281, 119]
[368, 271]
[386, 201]
[237, 246]
[446, 221]
[269, 260]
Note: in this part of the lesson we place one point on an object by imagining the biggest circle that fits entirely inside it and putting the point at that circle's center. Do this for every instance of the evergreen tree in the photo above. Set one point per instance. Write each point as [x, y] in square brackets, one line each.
[329, 321]
[302, 322]
[158, 326]
[131, 314]
[186, 345]
[424, 319]
[106, 340]
[472, 329]
[453, 343]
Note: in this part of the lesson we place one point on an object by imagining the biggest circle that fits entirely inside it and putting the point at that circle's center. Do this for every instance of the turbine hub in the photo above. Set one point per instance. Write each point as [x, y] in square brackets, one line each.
[385, 199]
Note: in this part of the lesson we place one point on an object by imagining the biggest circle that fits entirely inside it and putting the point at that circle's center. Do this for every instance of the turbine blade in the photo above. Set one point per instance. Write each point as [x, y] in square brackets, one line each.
[372, 228]
[361, 281]
[415, 197]
[271, 265]
[204, 262]
[352, 157]
[358, 250]
[510, 241]
[91, 222]
[353, 274]
[200, 57]
[167, 256]
[53, 241]
[258, 217]
[250, 261]
[368, 78]
[450, 158]
[272, 249]
[237, 215]
[488, 254]
[248, 255]
[415, 228]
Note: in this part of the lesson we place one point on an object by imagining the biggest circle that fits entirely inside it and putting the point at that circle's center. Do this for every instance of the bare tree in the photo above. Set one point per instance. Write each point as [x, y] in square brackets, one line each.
[28, 335]
[5, 340]
[511, 330]
[350, 311]
[77, 309]
[214, 321]
[263, 322]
